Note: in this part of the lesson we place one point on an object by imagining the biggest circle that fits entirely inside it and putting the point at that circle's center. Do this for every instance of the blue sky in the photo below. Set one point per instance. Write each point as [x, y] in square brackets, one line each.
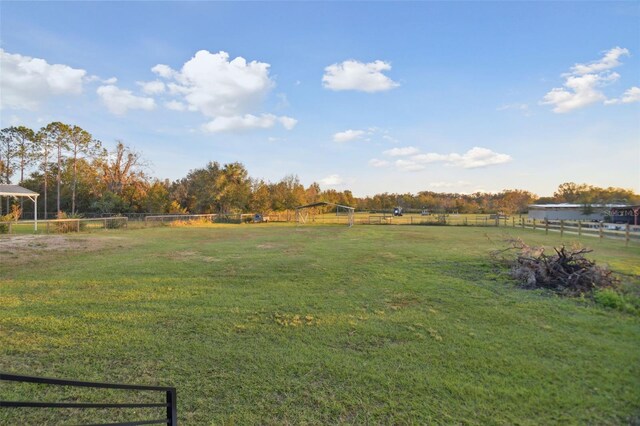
[368, 96]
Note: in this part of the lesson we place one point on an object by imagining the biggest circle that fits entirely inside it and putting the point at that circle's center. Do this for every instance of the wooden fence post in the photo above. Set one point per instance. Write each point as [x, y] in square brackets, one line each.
[534, 224]
[546, 227]
[579, 228]
[78, 225]
[561, 228]
[626, 235]
[600, 232]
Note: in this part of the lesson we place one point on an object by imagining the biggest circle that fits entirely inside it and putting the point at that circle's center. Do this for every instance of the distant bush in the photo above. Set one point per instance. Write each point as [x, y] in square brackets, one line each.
[15, 214]
[199, 221]
[69, 226]
[613, 299]
[116, 222]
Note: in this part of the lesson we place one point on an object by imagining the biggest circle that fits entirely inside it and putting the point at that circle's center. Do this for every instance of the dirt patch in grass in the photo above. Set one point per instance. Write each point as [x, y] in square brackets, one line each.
[22, 249]
[191, 255]
[267, 246]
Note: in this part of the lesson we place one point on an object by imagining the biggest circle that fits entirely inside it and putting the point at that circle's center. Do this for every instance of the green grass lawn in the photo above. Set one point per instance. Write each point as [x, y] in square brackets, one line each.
[277, 324]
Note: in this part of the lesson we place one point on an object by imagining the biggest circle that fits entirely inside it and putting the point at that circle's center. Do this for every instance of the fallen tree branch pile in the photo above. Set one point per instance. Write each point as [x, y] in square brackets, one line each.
[566, 271]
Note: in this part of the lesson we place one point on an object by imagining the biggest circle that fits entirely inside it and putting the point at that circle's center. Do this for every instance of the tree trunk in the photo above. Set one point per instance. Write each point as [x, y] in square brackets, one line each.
[75, 179]
[58, 178]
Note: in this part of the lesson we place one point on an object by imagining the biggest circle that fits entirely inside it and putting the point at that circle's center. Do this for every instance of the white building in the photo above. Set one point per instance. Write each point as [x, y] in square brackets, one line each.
[571, 211]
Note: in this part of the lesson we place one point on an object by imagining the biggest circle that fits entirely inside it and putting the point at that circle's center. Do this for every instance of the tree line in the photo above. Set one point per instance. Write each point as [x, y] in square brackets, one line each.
[75, 174]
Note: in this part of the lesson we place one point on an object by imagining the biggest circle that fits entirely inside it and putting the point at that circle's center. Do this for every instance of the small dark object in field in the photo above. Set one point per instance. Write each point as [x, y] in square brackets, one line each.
[566, 271]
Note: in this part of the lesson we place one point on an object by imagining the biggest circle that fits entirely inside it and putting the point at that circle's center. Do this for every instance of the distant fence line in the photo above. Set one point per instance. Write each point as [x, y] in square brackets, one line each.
[600, 230]
[57, 226]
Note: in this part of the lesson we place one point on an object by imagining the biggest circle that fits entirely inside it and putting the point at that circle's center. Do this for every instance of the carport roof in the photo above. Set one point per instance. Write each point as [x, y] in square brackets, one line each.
[16, 191]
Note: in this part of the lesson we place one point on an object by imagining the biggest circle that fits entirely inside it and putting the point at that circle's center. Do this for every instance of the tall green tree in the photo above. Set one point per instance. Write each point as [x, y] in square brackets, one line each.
[55, 140]
[122, 174]
[45, 142]
[234, 188]
[81, 143]
[25, 145]
[9, 157]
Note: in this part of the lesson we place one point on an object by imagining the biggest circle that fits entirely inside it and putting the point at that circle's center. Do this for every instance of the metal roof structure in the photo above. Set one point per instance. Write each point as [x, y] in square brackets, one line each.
[17, 191]
[324, 203]
[572, 206]
[302, 217]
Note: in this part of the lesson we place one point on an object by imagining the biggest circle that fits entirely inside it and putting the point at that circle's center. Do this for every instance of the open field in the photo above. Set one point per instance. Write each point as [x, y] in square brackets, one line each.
[278, 324]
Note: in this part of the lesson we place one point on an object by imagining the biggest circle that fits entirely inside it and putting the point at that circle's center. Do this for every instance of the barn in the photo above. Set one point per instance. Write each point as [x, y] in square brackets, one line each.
[565, 211]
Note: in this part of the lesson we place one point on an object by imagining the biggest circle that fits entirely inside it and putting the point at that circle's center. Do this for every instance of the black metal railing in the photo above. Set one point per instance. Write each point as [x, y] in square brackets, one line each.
[169, 404]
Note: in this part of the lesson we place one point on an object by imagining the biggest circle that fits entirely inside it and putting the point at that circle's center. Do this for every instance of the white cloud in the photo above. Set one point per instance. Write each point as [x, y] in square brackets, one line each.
[175, 106]
[348, 135]
[229, 91]
[583, 85]
[409, 165]
[389, 138]
[287, 122]
[354, 75]
[580, 92]
[630, 96]
[152, 87]
[246, 122]
[26, 81]
[332, 180]
[217, 86]
[523, 108]
[476, 157]
[609, 60]
[398, 152]
[448, 184]
[374, 162]
[164, 71]
[119, 101]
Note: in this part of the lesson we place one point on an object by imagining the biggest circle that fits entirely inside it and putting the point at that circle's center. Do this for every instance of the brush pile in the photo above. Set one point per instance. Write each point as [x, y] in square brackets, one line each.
[566, 271]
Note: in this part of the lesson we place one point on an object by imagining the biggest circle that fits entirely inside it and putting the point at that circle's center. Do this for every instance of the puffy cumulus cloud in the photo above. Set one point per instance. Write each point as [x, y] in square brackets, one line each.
[247, 122]
[226, 90]
[476, 157]
[348, 135]
[374, 162]
[583, 84]
[354, 75]
[164, 71]
[399, 152]
[152, 87]
[119, 101]
[332, 180]
[630, 96]
[26, 81]
[216, 86]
